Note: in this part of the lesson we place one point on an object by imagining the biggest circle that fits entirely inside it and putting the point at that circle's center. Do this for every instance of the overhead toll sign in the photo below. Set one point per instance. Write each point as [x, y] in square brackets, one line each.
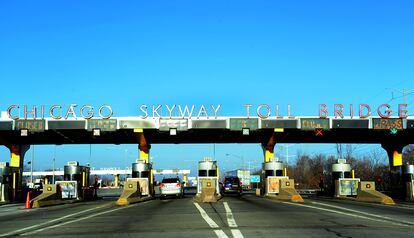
[348, 123]
[102, 124]
[209, 124]
[66, 125]
[387, 123]
[240, 123]
[31, 125]
[179, 124]
[6, 125]
[144, 124]
[255, 178]
[314, 123]
[292, 123]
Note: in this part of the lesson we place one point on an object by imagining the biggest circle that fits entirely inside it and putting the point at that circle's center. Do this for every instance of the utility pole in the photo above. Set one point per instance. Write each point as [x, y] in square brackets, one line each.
[403, 91]
[287, 153]
[31, 165]
[54, 160]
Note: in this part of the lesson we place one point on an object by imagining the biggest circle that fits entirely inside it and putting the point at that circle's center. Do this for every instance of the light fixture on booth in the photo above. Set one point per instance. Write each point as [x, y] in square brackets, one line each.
[24, 132]
[173, 131]
[96, 132]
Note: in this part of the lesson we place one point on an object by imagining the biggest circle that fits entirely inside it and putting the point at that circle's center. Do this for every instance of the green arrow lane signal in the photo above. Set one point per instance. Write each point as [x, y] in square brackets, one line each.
[393, 131]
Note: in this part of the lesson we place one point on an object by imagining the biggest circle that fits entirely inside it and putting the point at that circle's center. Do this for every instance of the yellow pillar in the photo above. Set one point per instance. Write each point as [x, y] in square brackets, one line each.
[144, 155]
[269, 147]
[46, 180]
[353, 173]
[285, 172]
[268, 155]
[83, 179]
[397, 158]
[17, 153]
[116, 180]
[185, 180]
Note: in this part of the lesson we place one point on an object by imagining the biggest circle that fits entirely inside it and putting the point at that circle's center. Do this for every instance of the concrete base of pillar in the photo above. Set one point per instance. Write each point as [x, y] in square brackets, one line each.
[50, 196]
[287, 192]
[207, 195]
[131, 194]
[367, 193]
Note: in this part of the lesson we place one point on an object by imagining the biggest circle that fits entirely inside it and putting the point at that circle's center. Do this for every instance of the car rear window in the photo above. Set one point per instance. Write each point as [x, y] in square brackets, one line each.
[170, 180]
[232, 180]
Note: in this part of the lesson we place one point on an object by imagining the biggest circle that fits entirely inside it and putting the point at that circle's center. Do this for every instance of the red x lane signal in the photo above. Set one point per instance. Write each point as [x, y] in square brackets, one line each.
[318, 132]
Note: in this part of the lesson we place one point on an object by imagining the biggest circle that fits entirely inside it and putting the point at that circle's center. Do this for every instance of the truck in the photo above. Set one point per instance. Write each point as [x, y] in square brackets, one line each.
[244, 176]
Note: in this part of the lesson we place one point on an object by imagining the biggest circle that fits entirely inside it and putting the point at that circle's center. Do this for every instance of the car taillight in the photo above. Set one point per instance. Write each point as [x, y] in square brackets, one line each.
[178, 184]
[162, 185]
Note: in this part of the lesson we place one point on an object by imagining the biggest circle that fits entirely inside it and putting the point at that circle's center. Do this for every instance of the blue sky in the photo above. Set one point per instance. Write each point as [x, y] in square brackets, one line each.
[191, 52]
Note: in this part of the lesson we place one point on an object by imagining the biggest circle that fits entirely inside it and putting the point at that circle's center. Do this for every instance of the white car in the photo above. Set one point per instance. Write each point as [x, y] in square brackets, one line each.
[171, 187]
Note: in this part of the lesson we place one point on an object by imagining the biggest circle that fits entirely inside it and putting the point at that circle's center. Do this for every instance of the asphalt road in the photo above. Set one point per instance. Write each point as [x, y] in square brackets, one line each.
[246, 216]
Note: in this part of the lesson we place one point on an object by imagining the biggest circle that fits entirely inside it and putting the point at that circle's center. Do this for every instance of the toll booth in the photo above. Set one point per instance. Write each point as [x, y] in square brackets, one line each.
[76, 181]
[142, 173]
[343, 184]
[5, 181]
[208, 175]
[408, 178]
[9, 187]
[273, 172]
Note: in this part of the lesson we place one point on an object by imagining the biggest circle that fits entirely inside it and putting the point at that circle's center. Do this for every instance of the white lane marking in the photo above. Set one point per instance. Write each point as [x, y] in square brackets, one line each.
[347, 214]
[204, 215]
[48, 222]
[236, 233]
[220, 234]
[230, 218]
[72, 221]
[360, 212]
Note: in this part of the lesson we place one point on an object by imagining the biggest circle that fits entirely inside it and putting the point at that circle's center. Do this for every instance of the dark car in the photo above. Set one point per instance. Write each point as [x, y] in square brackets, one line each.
[231, 184]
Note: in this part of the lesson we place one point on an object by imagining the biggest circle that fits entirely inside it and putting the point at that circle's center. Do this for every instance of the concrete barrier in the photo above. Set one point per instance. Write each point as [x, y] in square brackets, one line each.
[367, 193]
[50, 196]
[287, 191]
[131, 193]
[409, 187]
[208, 192]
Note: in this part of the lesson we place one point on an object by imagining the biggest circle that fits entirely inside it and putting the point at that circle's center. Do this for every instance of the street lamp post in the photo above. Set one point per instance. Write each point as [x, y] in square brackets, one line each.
[31, 165]
[54, 160]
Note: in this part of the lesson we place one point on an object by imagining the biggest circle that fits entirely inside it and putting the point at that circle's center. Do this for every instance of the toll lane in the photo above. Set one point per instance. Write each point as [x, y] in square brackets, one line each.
[398, 213]
[154, 218]
[232, 216]
[15, 219]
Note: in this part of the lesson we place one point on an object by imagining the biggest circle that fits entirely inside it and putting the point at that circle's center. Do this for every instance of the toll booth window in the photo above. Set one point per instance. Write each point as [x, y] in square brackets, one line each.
[347, 174]
[202, 173]
[212, 173]
[336, 175]
[279, 172]
[269, 173]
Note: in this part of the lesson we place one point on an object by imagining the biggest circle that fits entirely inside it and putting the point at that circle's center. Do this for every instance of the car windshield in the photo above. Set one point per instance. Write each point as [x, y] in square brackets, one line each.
[170, 180]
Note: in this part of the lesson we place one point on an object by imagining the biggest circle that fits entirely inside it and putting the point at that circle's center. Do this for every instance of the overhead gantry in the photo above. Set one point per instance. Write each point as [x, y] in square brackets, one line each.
[392, 133]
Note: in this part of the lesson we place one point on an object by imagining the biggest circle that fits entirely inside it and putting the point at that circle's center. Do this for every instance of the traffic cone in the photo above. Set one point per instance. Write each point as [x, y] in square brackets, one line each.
[27, 206]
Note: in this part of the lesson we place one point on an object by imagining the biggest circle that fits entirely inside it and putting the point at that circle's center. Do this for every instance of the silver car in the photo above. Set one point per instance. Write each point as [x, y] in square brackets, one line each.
[171, 187]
